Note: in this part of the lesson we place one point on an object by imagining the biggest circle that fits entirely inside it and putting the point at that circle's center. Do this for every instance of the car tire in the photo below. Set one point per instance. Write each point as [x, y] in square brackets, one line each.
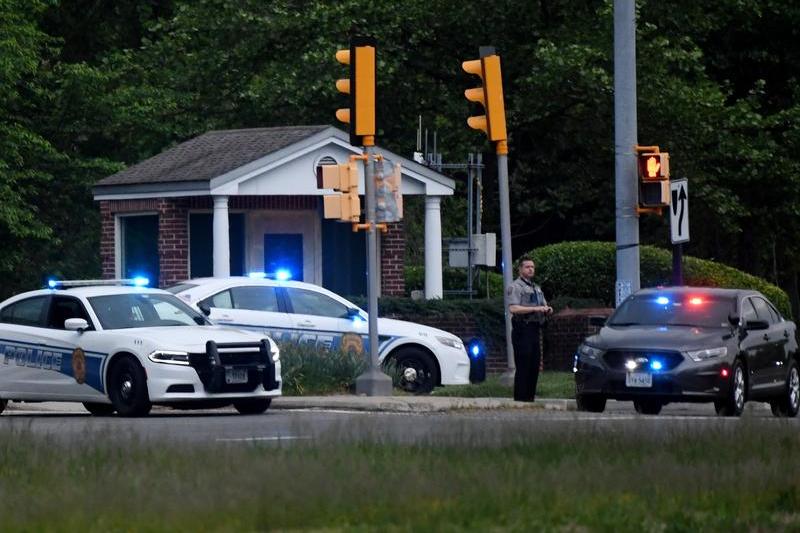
[789, 404]
[733, 404]
[252, 406]
[3, 404]
[647, 407]
[593, 403]
[416, 370]
[99, 409]
[127, 387]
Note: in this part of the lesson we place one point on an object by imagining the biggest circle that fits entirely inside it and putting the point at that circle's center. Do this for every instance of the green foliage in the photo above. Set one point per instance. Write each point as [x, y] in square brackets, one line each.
[455, 279]
[587, 270]
[308, 370]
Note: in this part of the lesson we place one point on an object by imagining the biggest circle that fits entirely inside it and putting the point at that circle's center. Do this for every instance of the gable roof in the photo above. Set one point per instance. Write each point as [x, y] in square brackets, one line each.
[209, 155]
[218, 161]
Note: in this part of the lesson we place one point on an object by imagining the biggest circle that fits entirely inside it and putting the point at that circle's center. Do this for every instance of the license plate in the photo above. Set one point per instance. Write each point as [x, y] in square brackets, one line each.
[235, 375]
[638, 379]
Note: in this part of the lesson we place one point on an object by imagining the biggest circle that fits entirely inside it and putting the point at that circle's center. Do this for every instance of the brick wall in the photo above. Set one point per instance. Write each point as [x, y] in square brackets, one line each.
[393, 250]
[173, 240]
[561, 337]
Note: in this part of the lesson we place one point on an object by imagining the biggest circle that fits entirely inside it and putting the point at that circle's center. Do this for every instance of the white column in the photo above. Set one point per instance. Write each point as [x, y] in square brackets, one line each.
[221, 247]
[433, 247]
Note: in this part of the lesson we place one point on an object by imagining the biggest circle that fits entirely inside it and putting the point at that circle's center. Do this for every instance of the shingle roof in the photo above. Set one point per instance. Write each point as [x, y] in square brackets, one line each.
[210, 155]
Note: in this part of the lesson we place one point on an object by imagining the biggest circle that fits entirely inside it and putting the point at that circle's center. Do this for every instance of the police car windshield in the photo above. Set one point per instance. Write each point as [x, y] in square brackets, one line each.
[121, 311]
[669, 309]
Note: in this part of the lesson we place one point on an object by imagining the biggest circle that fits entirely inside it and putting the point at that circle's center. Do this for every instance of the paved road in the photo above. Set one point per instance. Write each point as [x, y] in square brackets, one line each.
[285, 426]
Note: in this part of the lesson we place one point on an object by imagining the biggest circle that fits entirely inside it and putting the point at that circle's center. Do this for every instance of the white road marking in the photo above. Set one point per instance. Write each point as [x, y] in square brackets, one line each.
[257, 439]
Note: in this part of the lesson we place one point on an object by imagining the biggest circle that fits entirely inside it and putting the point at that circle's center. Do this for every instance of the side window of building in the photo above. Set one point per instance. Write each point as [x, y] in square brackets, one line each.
[748, 312]
[313, 303]
[63, 308]
[26, 312]
[256, 298]
[221, 300]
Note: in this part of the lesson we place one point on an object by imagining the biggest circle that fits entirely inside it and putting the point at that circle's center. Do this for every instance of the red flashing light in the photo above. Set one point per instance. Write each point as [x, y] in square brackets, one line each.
[724, 372]
[695, 300]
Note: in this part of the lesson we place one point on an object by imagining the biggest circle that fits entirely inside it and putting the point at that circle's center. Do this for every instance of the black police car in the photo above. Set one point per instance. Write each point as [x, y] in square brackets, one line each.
[689, 344]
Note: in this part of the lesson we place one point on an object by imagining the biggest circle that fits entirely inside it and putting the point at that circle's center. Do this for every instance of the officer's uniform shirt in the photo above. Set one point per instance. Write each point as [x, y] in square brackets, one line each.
[524, 293]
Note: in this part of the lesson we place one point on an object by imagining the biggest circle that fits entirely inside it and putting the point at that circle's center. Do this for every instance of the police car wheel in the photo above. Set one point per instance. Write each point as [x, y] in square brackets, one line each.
[733, 403]
[252, 406]
[647, 407]
[99, 409]
[416, 370]
[3, 404]
[127, 388]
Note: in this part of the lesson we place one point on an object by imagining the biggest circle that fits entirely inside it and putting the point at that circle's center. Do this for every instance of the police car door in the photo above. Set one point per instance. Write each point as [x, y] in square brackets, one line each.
[80, 361]
[35, 364]
[317, 318]
[250, 307]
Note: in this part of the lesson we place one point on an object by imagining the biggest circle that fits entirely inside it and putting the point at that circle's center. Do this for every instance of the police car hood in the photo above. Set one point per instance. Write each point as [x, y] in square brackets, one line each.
[680, 338]
[189, 338]
[401, 328]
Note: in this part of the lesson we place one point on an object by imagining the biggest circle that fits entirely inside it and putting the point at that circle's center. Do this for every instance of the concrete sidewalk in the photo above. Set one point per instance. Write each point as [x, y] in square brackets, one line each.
[392, 404]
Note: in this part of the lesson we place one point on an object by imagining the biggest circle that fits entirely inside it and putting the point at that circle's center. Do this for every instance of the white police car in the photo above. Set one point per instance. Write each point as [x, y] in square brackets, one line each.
[125, 348]
[306, 313]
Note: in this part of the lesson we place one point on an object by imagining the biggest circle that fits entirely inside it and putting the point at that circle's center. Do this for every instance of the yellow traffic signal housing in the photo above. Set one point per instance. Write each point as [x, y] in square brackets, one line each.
[490, 96]
[361, 86]
[653, 179]
[343, 178]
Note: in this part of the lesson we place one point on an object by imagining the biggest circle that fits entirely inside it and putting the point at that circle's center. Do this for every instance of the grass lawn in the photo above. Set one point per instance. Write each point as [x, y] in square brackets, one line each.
[736, 477]
[551, 385]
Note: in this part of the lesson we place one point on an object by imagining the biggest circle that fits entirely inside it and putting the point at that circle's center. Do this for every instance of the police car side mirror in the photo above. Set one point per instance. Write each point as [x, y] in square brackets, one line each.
[204, 308]
[76, 324]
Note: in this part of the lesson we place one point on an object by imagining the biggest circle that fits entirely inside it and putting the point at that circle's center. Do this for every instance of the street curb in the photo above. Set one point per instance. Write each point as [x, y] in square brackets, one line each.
[416, 404]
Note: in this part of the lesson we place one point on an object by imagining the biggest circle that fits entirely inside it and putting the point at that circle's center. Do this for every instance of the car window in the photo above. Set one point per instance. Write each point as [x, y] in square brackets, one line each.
[748, 312]
[313, 303]
[255, 298]
[221, 300]
[63, 308]
[133, 310]
[180, 287]
[26, 312]
[674, 309]
[763, 311]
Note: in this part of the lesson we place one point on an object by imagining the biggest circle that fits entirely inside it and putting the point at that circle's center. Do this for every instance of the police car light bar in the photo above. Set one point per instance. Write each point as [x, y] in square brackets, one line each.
[66, 283]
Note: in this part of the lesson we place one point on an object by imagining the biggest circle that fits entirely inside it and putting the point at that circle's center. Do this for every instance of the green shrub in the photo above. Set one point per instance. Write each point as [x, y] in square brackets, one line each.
[456, 279]
[588, 270]
[307, 369]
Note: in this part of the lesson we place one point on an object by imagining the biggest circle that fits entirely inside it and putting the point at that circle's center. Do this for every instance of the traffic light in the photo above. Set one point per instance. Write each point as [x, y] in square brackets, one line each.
[653, 179]
[360, 114]
[490, 96]
[389, 198]
[343, 178]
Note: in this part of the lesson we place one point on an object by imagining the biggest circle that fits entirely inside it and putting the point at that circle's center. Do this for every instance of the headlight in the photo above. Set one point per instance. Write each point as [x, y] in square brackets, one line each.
[275, 352]
[452, 342]
[589, 352]
[702, 355]
[169, 357]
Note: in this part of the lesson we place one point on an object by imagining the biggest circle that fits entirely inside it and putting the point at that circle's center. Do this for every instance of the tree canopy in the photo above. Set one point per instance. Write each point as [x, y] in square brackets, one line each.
[87, 87]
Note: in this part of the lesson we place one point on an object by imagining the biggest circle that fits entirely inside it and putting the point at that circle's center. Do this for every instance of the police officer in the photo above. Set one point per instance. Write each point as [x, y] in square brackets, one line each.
[528, 310]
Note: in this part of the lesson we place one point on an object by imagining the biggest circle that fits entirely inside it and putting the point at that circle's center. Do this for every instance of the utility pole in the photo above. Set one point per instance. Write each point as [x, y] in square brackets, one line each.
[625, 141]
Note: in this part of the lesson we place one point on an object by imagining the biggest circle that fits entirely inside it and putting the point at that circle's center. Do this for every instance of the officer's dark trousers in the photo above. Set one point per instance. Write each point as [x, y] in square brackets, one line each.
[527, 356]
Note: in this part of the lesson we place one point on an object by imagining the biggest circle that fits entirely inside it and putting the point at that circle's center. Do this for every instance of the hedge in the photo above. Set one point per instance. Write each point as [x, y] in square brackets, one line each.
[587, 269]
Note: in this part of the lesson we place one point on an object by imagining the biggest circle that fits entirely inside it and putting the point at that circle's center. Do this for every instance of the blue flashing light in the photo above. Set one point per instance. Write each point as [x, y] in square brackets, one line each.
[52, 283]
[141, 281]
[656, 365]
[283, 274]
[662, 300]
[475, 349]
[256, 275]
